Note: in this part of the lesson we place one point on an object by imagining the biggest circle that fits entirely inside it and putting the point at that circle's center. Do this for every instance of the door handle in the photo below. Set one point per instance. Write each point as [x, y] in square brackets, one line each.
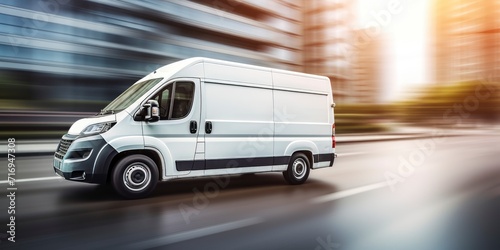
[193, 127]
[208, 127]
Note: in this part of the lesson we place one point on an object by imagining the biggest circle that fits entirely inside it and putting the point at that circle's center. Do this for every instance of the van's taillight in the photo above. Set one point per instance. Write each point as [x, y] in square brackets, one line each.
[334, 143]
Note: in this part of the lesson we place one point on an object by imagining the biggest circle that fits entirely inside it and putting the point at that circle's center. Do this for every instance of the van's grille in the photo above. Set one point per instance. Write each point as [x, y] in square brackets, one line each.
[63, 148]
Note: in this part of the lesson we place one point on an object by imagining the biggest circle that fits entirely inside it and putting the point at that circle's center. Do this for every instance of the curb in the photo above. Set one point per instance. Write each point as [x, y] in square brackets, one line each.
[382, 138]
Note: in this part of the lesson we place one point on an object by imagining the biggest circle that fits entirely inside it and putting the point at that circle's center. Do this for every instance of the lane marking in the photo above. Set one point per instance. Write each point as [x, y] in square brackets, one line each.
[34, 179]
[347, 193]
[193, 234]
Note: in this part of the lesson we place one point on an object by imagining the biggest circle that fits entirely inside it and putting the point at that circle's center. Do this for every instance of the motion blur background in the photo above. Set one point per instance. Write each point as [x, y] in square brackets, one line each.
[391, 62]
[416, 83]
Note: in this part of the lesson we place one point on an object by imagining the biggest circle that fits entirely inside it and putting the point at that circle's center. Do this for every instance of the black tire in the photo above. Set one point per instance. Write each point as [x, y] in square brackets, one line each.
[135, 176]
[298, 169]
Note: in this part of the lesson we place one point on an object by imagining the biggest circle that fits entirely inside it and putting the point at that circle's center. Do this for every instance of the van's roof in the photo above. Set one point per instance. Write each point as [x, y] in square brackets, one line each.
[179, 65]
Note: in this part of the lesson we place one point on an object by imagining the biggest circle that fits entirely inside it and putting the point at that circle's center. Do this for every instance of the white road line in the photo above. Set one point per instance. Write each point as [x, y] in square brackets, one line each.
[34, 179]
[347, 193]
[193, 234]
[352, 153]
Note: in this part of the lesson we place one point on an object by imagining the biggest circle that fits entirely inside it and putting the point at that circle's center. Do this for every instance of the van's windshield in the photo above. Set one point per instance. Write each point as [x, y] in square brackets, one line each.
[129, 96]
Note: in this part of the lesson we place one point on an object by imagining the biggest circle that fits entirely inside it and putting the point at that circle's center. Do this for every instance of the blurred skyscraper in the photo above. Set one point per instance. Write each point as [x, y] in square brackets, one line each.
[367, 69]
[467, 40]
[328, 36]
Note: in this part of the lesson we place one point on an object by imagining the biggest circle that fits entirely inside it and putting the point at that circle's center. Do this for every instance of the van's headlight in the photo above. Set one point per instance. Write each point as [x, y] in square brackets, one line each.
[97, 128]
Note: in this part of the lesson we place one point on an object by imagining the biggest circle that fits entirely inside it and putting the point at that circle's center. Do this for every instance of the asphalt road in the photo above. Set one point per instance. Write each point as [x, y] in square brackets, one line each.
[435, 193]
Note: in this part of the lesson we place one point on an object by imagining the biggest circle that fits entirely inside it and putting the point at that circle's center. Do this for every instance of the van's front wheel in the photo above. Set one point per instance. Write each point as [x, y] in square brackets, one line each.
[135, 176]
[298, 169]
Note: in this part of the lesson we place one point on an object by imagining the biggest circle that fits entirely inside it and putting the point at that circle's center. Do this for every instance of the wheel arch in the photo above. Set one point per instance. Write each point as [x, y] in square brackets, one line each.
[306, 147]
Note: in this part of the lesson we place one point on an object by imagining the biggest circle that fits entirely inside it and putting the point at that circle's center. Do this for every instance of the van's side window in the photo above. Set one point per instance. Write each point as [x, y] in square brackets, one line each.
[180, 105]
[183, 100]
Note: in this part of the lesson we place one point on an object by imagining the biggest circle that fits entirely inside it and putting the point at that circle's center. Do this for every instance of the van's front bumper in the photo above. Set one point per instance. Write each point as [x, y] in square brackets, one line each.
[82, 159]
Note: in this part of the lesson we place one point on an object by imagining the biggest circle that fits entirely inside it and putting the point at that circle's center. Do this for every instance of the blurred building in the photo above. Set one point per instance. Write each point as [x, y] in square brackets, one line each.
[327, 43]
[367, 70]
[75, 50]
[467, 40]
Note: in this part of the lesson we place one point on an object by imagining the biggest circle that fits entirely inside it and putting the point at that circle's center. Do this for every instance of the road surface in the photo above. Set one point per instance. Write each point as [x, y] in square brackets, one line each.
[434, 193]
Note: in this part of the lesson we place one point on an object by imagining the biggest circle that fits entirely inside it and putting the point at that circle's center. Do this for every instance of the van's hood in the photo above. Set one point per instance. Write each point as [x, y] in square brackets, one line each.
[81, 124]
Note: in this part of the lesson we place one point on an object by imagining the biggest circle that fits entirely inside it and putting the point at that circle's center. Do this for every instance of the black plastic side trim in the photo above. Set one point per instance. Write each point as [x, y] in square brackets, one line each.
[281, 160]
[238, 163]
[243, 162]
[325, 157]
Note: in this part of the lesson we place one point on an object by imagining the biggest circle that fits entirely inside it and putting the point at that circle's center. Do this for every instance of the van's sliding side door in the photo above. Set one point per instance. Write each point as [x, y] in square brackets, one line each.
[238, 127]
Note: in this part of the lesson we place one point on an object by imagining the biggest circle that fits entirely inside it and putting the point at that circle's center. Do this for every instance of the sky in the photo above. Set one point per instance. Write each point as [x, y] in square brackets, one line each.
[406, 40]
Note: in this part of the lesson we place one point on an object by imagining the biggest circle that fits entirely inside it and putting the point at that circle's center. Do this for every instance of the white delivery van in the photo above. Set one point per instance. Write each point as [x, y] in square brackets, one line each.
[203, 117]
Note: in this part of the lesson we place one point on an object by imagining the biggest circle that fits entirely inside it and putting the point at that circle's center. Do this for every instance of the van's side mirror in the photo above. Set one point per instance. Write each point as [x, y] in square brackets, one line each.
[149, 112]
[152, 111]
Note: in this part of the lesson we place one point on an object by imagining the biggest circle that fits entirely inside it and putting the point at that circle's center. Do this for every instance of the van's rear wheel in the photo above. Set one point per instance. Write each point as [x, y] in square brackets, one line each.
[298, 169]
[135, 176]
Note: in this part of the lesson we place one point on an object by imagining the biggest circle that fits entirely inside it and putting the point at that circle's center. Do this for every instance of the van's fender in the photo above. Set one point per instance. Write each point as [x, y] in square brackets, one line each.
[127, 143]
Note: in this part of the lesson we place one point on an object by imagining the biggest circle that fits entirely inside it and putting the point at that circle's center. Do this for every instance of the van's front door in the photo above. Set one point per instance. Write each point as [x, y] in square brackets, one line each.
[175, 135]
